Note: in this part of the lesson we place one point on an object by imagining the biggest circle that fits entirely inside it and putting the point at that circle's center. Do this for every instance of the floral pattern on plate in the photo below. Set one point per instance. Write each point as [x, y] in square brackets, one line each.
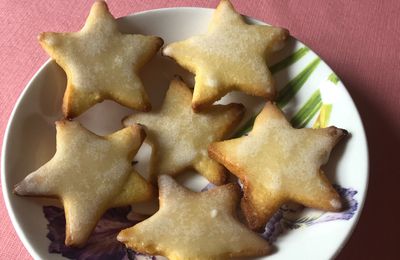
[104, 245]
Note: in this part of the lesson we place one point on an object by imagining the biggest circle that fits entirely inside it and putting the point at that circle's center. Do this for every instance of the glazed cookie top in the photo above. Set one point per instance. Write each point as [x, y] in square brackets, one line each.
[180, 137]
[231, 55]
[89, 174]
[192, 225]
[101, 62]
[277, 163]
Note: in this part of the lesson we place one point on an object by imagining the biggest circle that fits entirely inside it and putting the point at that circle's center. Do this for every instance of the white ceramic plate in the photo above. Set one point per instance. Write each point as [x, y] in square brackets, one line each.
[30, 136]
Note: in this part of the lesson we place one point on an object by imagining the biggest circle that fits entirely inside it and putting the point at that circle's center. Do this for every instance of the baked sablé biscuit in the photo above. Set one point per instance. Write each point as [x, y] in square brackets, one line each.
[101, 63]
[277, 164]
[89, 174]
[180, 138]
[191, 225]
[231, 55]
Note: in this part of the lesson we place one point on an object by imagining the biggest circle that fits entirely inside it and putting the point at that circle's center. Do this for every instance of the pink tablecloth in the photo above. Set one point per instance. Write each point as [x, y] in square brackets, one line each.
[360, 40]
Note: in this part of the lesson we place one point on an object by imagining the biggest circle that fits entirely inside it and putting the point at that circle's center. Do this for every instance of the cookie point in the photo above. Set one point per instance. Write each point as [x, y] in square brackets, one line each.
[166, 51]
[121, 236]
[336, 204]
[344, 132]
[125, 121]
[41, 36]
[99, 9]
[139, 130]
[285, 32]
[338, 132]
[47, 39]
[225, 2]
[160, 41]
[68, 240]
[17, 189]
[100, 3]
[197, 107]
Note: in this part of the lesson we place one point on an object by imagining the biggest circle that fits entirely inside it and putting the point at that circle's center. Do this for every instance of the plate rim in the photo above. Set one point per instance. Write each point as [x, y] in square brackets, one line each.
[28, 87]
[4, 187]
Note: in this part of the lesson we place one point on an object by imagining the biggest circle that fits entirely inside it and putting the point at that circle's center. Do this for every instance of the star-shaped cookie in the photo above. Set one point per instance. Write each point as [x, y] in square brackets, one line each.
[180, 137]
[277, 163]
[192, 225]
[231, 55]
[89, 174]
[101, 62]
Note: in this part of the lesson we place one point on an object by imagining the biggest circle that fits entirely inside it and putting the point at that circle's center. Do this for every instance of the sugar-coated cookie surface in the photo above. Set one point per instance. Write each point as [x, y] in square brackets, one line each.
[192, 225]
[89, 174]
[101, 62]
[180, 137]
[231, 55]
[277, 163]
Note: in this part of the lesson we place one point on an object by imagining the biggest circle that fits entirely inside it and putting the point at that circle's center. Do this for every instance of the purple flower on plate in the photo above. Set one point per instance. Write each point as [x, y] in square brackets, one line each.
[102, 244]
[274, 227]
[350, 205]
[288, 217]
[138, 256]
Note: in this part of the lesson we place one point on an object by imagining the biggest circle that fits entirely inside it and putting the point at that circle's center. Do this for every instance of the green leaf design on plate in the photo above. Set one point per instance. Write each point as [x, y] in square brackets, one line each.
[286, 94]
[333, 78]
[286, 62]
[308, 111]
[323, 117]
[291, 89]
[326, 109]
